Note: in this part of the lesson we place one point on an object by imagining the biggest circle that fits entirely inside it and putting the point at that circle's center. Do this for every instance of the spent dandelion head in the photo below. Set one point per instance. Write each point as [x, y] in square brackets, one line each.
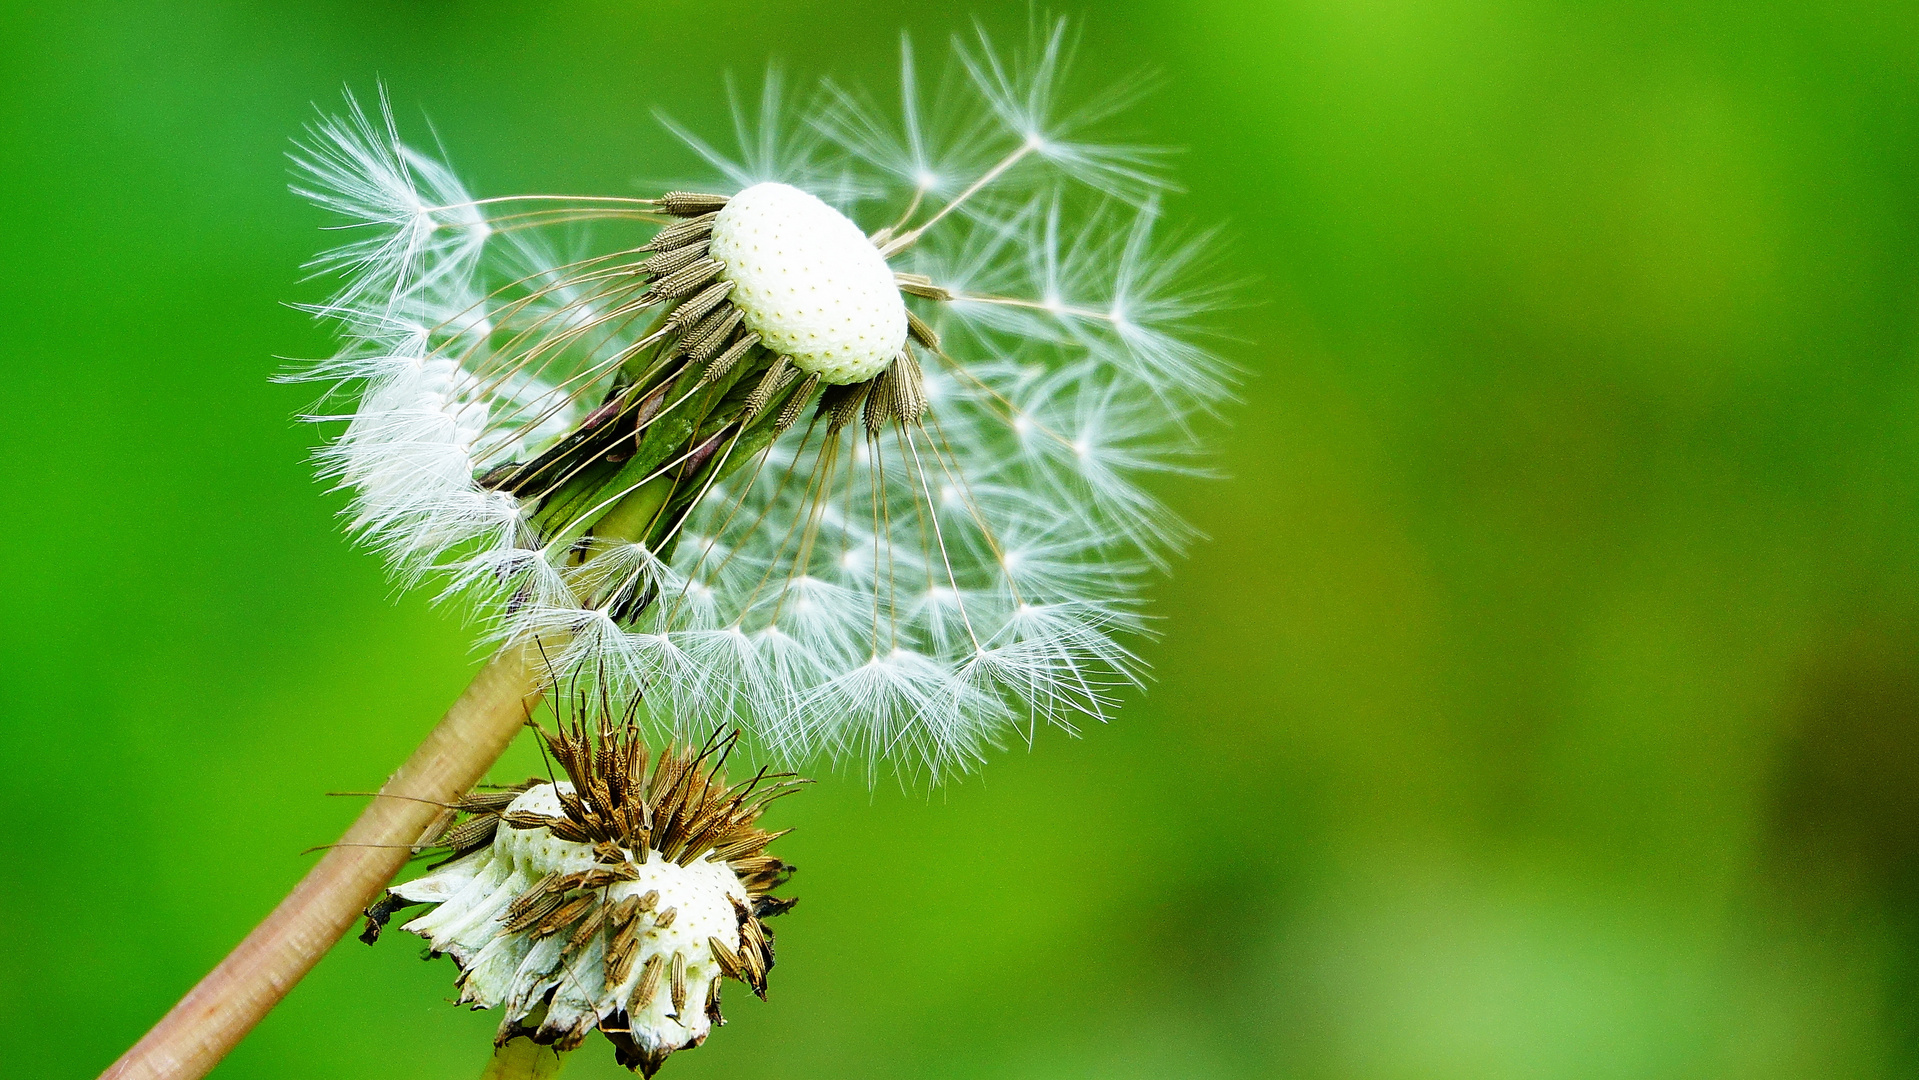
[847, 448]
[618, 898]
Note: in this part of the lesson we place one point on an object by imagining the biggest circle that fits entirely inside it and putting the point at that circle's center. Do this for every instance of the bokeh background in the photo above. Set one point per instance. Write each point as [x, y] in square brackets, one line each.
[1542, 705]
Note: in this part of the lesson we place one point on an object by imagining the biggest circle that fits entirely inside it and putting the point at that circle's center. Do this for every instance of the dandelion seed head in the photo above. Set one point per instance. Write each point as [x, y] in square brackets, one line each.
[618, 899]
[851, 449]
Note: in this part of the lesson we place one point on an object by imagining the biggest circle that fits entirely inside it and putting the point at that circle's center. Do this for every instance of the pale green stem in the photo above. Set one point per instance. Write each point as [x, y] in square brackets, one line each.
[218, 1013]
[524, 1059]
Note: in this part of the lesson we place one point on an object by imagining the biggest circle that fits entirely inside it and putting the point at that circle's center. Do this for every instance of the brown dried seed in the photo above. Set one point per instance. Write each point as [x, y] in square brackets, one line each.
[761, 882]
[597, 826]
[790, 412]
[713, 1002]
[435, 833]
[693, 310]
[909, 388]
[665, 773]
[840, 404]
[679, 982]
[704, 829]
[475, 832]
[748, 845]
[766, 943]
[683, 281]
[534, 894]
[379, 913]
[771, 383]
[645, 901]
[668, 261]
[619, 960]
[630, 824]
[691, 203]
[882, 401]
[714, 331]
[534, 914]
[753, 973]
[728, 960]
[673, 789]
[567, 749]
[601, 876]
[752, 935]
[665, 918]
[921, 332]
[475, 802]
[567, 914]
[499, 475]
[607, 851]
[587, 928]
[621, 951]
[681, 232]
[578, 879]
[921, 285]
[649, 984]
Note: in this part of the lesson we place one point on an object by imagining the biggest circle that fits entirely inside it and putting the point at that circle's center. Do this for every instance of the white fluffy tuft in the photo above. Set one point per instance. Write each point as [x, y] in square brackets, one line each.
[915, 595]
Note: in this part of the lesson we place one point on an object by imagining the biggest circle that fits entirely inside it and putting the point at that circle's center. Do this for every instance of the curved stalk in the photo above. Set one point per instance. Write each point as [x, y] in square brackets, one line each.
[216, 1014]
[524, 1059]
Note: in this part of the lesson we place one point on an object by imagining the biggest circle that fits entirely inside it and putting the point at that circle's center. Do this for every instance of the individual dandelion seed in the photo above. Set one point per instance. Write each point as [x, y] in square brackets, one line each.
[847, 449]
[617, 898]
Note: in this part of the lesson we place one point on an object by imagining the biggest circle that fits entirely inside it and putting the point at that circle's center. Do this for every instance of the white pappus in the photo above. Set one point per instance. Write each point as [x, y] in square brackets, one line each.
[846, 448]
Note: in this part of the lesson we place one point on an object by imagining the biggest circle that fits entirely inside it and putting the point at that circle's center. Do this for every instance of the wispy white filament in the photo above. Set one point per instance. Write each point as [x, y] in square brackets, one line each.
[906, 595]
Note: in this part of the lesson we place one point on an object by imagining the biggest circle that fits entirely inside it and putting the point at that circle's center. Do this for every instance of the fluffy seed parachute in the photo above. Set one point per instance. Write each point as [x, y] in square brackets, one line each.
[845, 448]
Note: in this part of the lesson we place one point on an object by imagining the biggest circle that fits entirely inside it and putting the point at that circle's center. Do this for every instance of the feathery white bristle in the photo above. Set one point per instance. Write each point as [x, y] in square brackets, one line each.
[910, 592]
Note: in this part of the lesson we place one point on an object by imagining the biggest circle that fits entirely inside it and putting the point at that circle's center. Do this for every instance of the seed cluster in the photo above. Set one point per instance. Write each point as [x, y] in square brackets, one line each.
[619, 898]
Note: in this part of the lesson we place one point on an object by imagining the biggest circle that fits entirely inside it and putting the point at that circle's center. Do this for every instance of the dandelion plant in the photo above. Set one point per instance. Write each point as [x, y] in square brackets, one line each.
[842, 447]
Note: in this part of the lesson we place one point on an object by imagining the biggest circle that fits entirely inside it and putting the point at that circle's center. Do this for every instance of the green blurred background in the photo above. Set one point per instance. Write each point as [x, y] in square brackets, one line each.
[1543, 704]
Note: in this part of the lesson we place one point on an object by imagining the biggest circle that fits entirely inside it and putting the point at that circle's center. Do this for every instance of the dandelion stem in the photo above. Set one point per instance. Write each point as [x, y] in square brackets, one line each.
[524, 1059]
[215, 1015]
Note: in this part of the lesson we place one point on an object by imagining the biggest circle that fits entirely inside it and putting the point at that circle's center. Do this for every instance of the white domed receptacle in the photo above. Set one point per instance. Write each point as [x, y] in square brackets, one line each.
[810, 283]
